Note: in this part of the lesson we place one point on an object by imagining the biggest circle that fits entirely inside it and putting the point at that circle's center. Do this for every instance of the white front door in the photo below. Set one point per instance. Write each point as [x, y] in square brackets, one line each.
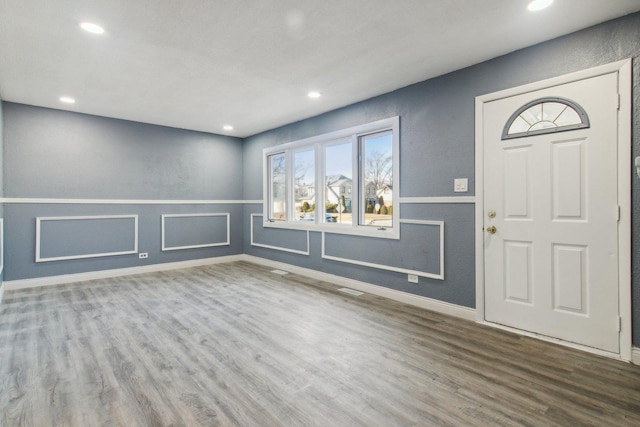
[551, 262]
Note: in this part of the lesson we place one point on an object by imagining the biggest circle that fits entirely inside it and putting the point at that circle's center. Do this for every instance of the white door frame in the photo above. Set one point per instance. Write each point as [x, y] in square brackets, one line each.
[623, 68]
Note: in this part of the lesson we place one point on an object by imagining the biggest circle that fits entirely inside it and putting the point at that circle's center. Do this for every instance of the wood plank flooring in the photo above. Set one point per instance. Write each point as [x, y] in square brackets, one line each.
[236, 345]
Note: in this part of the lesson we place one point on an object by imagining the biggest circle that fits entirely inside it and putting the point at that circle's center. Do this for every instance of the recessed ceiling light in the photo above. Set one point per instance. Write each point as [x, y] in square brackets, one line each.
[92, 28]
[227, 127]
[67, 100]
[313, 94]
[537, 5]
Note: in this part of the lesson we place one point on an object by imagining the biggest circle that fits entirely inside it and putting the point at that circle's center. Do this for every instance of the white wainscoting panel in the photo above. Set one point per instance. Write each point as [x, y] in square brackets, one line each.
[226, 242]
[41, 220]
[1, 246]
[439, 275]
[277, 248]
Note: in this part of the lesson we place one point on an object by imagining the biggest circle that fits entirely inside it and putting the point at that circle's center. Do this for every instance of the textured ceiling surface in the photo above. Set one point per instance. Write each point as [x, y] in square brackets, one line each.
[199, 64]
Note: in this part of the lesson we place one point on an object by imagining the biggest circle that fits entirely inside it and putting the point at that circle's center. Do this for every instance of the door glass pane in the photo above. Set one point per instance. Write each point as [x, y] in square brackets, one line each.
[568, 117]
[338, 183]
[551, 110]
[377, 164]
[304, 184]
[545, 115]
[278, 187]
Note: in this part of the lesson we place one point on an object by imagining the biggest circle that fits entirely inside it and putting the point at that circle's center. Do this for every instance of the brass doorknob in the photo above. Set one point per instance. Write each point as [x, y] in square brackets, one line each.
[491, 229]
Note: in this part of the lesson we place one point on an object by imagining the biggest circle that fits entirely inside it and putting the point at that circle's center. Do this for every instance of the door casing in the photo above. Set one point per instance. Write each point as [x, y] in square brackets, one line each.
[623, 68]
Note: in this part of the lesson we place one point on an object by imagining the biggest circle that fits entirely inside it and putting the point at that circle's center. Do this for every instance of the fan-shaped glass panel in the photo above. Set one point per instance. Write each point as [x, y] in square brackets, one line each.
[545, 115]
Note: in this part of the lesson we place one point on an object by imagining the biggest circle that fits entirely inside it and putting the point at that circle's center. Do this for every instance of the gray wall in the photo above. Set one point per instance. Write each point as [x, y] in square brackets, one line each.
[1, 152]
[437, 145]
[62, 155]
[1, 184]
[57, 154]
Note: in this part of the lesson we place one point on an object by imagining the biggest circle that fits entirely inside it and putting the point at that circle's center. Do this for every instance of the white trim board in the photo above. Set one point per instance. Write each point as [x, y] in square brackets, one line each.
[43, 200]
[623, 68]
[439, 200]
[12, 285]
[635, 355]
[39, 221]
[403, 297]
[206, 245]
[277, 248]
[438, 276]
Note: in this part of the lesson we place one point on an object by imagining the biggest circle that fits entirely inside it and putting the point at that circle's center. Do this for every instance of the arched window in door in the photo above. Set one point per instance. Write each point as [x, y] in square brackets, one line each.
[545, 115]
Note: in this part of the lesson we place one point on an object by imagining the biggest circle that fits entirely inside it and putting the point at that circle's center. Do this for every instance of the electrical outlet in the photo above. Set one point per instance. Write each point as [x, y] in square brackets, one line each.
[461, 185]
[143, 255]
[412, 278]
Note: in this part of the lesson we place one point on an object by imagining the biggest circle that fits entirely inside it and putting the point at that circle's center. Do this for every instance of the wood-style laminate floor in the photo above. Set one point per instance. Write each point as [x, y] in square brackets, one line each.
[237, 345]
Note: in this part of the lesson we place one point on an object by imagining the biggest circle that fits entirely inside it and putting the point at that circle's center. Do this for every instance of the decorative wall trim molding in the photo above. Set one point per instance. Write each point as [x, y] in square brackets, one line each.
[43, 200]
[37, 200]
[277, 248]
[403, 297]
[40, 220]
[635, 355]
[429, 200]
[438, 276]
[12, 285]
[1, 246]
[206, 245]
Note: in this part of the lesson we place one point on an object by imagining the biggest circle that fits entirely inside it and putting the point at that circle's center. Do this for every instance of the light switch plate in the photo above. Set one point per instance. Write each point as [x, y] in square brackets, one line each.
[461, 185]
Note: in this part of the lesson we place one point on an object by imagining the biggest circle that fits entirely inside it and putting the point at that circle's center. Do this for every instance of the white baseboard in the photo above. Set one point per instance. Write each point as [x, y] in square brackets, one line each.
[403, 297]
[635, 355]
[103, 274]
[1, 291]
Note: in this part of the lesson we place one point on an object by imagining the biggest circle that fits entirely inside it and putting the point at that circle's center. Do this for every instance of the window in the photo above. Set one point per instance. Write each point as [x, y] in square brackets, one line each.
[278, 187]
[343, 182]
[376, 154]
[304, 183]
[338, 164]
[545, 115]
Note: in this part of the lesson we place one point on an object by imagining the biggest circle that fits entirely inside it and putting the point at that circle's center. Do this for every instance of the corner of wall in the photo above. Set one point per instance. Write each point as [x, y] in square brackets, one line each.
[1, 196]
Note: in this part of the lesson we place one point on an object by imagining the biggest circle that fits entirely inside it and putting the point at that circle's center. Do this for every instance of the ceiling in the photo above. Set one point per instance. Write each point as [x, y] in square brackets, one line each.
[202, 64]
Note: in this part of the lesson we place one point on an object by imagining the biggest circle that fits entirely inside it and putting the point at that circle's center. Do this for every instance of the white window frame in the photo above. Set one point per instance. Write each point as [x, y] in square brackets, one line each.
[357, 186]
[268, 187]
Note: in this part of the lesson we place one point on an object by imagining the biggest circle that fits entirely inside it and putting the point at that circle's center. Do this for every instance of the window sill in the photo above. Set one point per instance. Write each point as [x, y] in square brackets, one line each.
[363, 231]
